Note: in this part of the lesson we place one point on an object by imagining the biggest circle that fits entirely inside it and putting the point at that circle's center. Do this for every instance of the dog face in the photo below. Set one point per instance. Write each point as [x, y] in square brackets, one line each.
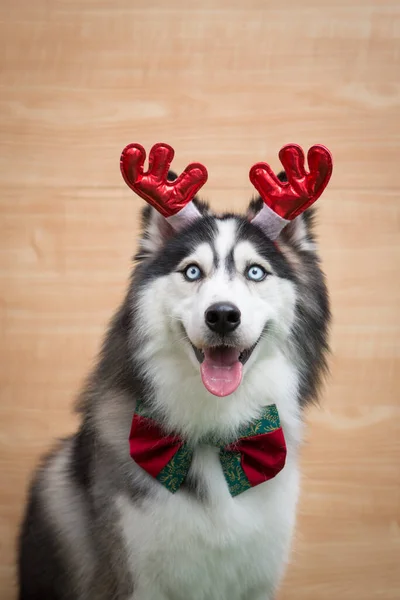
[220, 290]
[227, 297]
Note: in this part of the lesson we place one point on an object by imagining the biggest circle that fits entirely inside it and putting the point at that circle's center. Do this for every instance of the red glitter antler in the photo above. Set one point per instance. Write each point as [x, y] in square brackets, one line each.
[170, 198]
[284, 201]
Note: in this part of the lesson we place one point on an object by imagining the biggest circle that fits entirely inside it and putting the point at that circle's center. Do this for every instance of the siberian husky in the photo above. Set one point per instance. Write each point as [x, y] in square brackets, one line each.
[219, 322]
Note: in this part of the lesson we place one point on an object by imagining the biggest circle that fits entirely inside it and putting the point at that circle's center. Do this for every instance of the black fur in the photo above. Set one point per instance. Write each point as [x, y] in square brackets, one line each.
[81, 466]
[41, 565]
[41, 571]
[313, 316]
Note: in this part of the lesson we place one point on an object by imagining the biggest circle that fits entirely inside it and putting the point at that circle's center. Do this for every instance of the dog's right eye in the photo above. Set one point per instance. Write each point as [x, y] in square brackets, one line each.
[192, 273]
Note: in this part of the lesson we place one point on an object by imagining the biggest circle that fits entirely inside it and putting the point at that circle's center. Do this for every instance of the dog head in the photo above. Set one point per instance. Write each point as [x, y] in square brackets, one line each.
[221, 310]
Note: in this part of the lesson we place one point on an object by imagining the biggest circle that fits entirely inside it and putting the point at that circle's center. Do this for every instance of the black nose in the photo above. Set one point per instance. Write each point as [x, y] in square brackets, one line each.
[222, 317]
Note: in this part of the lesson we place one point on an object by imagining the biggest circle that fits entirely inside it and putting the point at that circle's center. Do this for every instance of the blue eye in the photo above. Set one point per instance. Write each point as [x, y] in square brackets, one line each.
[256, 273]
[192, 273]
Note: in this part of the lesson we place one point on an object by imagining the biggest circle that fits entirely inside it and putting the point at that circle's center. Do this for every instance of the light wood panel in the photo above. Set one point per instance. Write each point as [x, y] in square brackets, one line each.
[226, 83]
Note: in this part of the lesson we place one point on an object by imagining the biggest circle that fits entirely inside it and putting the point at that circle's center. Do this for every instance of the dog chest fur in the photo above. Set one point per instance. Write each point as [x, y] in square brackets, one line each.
[181, 547]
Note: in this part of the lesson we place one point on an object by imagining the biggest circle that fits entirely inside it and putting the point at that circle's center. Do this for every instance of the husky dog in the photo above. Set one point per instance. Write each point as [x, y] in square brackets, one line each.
[219, 321]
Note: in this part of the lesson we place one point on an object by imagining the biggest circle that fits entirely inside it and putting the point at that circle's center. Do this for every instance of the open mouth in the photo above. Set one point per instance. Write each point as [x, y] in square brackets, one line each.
[221, 367]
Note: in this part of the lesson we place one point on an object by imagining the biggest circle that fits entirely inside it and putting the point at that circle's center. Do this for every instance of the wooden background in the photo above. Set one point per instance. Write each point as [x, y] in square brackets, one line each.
[226, 83]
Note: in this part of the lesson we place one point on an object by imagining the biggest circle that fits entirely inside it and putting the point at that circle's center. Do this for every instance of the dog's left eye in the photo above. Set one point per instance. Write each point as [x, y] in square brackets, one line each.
[256, 273]
[192, 273]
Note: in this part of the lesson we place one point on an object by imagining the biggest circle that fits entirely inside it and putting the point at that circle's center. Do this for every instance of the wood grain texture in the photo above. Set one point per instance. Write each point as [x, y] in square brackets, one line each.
[226, 83]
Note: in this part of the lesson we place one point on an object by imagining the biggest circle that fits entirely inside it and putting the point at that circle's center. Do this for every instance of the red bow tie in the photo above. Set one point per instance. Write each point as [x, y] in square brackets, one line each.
[257, 455]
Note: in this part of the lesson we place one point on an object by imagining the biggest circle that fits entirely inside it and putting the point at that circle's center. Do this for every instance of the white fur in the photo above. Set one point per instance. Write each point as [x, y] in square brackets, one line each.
[234, 548]
[223, 548]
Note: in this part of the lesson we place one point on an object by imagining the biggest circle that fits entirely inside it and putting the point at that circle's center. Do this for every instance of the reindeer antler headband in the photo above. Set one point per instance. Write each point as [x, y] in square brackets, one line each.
[173, 199]
[283, 201]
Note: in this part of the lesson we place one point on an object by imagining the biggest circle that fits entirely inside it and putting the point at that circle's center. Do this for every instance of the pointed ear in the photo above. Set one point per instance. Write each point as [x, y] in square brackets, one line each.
[155, 233]
[299, 232]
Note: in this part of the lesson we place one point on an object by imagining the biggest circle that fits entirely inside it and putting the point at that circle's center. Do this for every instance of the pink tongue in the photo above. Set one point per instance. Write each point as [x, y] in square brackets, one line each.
[221, 370]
